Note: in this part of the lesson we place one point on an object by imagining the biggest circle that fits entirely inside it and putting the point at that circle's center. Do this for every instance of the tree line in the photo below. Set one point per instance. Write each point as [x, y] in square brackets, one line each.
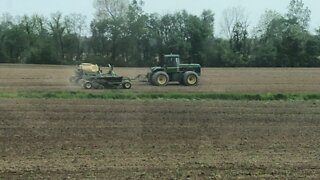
[123, 34]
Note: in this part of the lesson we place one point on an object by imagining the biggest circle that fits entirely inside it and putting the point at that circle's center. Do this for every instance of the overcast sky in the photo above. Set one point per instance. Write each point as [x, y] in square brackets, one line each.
[254, 7]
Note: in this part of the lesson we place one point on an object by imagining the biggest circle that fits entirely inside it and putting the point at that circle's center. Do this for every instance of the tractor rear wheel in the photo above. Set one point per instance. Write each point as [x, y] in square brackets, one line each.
[126, 85]
[88, 85]
[190, 78]
[160, 78]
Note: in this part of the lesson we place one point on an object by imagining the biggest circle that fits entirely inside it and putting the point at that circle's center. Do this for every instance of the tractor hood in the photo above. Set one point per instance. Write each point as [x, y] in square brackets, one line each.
[190, 65]
[152, 69]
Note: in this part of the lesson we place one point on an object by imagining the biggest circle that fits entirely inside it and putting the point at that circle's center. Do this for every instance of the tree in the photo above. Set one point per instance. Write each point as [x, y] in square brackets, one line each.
[75, 31]
[284, 39]
[111, 16]
[200, 30]
[57, 30]
[153, 39]
[268, 45]
[312, 50]
[75, 24]
[234, 27]
[207, 30]
[295, 35]
[110, 8]
[15, 42]
[298, 13]
[264, 22]
[40, 25]
[135, 40]
[239, 40]
[231, 17]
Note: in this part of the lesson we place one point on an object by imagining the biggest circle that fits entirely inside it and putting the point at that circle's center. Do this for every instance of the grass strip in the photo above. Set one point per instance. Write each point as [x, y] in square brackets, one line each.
[162, 95]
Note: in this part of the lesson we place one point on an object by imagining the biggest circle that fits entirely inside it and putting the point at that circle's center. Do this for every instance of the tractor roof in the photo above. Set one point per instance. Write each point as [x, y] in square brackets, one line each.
[172, 55]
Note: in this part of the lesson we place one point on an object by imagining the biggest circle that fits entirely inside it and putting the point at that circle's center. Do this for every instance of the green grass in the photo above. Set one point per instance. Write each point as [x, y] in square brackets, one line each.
[161, 95]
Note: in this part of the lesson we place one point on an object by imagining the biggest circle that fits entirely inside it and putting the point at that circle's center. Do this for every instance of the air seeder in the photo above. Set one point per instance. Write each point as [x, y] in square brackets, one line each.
[90, 76]
[85, 71]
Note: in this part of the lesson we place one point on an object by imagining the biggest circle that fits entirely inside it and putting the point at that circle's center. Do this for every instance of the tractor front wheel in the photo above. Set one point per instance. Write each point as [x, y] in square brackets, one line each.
[190, 78]
[160, 78]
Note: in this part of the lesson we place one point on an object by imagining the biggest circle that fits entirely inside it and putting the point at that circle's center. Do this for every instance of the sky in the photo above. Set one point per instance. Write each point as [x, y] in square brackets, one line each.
[254, 8]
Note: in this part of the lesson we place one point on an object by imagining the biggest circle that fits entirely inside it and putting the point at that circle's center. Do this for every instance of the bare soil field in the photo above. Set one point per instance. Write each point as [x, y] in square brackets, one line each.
[162, 139]
[44, 77]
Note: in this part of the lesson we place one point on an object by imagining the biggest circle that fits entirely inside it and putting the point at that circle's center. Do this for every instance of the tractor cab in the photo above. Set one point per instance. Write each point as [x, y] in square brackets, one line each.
[171, 60]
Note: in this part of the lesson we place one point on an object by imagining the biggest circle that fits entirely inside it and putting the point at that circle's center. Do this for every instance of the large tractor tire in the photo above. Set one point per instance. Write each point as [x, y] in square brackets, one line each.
[160, 78]
[88, 85]
[190, 78]
[126, 85]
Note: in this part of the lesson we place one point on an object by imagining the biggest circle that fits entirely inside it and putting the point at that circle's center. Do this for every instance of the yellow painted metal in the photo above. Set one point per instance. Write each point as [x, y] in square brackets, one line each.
[88, 67]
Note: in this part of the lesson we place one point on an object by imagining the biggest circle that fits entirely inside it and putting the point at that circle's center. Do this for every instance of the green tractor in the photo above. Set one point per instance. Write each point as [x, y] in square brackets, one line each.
[172, 70]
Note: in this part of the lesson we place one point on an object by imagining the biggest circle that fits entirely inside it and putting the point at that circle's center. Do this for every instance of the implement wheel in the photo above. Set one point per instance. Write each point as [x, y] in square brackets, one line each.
[190, 78]
[126, 85]
[88, 85]
[160, 78]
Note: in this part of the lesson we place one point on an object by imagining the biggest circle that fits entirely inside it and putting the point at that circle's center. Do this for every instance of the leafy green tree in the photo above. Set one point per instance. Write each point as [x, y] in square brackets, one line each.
[135, 40]
[110, 24]
[174, 34]
[124, 35]
[266, 18]
[312, 51]
[200, 33]
[293, 43]
[207, 33]
[234, 27]
[57, 30]
[231, 17]
[152, 40]
[267, 46]
[73, 37]
[15, 42]
[283, 41]
[239, 39]
[297, 12]
[106, 9]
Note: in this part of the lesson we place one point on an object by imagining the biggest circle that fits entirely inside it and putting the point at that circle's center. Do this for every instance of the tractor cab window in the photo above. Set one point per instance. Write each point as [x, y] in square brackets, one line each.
[172, 61]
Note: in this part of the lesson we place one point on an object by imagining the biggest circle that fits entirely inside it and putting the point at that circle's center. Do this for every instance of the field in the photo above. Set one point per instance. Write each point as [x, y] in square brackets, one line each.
[53, 138]
[37, 77]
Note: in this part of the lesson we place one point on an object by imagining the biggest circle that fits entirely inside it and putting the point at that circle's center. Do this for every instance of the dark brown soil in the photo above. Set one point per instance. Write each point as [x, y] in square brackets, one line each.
[118, 139]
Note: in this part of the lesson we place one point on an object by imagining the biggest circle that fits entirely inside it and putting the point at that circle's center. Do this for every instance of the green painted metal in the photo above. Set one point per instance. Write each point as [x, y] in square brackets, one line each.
[174, 68]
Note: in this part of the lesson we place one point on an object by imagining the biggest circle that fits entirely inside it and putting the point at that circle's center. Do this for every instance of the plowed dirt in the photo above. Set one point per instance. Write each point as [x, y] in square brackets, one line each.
[43, 77]
[118, 139]
[160, 139]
